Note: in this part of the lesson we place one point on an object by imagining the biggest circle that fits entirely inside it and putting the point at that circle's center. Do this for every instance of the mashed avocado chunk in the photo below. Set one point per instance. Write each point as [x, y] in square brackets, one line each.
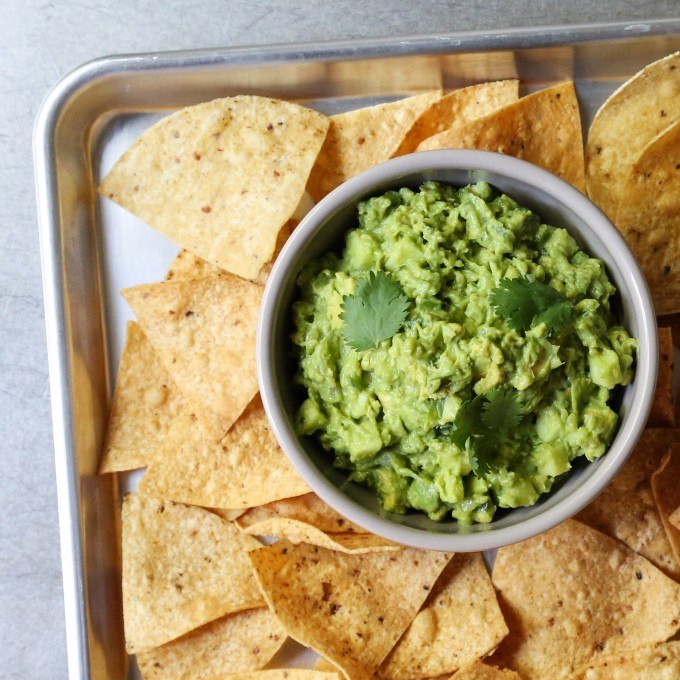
[459, 354]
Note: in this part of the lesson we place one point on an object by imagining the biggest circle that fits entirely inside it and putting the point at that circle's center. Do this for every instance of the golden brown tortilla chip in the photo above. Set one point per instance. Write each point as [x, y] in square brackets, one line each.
[671, 321]
[221, 178]
[351, 609]
[144, 405]
[236, 643]
[245, 468]
[283, 236]
[543, 128]
[360, 139]
[666, 487]
[300, 532]
[282, 674]
[457, 108]
[661, 662]
[204, 333]
[648, 215]
[638, 111]
[187, 266]
[481, 671]
[626, 510]
[572, 595]
[230, 514]
[308, 508]
[182, 567]
[459, 623]
[662, 413]
[674, 519]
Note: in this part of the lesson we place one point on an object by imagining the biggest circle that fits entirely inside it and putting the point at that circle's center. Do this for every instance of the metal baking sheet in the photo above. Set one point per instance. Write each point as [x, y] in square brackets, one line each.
[91, 249]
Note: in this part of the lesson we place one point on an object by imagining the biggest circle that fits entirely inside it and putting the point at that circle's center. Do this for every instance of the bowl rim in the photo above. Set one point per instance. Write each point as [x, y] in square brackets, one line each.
[641, 308]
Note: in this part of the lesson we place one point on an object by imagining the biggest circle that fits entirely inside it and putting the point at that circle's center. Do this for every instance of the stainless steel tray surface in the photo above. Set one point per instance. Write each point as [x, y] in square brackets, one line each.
[91, 249]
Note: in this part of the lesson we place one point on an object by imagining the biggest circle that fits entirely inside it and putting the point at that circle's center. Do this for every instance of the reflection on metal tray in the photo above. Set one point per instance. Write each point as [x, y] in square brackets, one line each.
[90, 249]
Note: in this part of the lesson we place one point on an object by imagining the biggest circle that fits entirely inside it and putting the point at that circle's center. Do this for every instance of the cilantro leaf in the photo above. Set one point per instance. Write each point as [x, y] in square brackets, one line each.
[375, 312]
[525, 303]
[502, 411]
[483, 423]
[480, 455]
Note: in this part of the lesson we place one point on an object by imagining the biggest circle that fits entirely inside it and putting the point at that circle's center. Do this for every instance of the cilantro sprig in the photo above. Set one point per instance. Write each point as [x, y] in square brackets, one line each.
[526, 303]
[375, 312]
[483, 423]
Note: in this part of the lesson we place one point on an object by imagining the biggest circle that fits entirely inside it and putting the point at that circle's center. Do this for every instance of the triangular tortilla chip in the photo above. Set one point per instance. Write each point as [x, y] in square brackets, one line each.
[300, 532]
[308, 508]
[459, 623]
[653, 231]
[482, 671]
[245, 468]
[572, 595]
[204, 333]
[666, 487]
[674, 519]
[240, 642]
[186, 266]
[662, 413]
[661, 662]
[543, 128]
[630, 118]
[182, 567]
[144, 406]
[221, 178]
[360, 139]
[230, 514]
[626, 510]
[457, 108]
[282, 674]
[351, 609]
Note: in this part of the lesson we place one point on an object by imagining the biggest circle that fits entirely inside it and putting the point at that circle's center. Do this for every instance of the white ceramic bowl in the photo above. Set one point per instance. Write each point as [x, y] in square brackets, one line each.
[558, 204]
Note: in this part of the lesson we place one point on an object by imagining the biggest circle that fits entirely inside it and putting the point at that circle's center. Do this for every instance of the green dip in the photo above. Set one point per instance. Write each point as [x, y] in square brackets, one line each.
[397, 415]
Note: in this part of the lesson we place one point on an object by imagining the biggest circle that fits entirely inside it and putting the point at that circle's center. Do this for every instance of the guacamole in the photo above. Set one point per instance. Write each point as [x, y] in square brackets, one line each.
[495, 356]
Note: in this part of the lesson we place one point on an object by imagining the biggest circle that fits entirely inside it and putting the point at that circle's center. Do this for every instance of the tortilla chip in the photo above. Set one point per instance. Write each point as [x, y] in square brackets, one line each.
[221, 178]
[144, 405]
[182, 567]
[240, 642]
[457, 108]
[671, 321]
[204, 333]
[674, 519]
[308, 508]
[662, 413]
[626, 510]
[351, 609]
[481, 671]
[360, 139]
[230, 514]
[300, 532]
[543, 128]
[572, 595]
[666, 488]
[283, 674]
[661, 662]
[653, 231]
[186, 266]
[324, 665]
[247, 467]
[636, 113]
[459, 623]
[283, 236]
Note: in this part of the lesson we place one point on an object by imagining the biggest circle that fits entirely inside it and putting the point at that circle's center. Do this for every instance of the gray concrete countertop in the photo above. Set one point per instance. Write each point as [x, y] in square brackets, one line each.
[41, 42]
